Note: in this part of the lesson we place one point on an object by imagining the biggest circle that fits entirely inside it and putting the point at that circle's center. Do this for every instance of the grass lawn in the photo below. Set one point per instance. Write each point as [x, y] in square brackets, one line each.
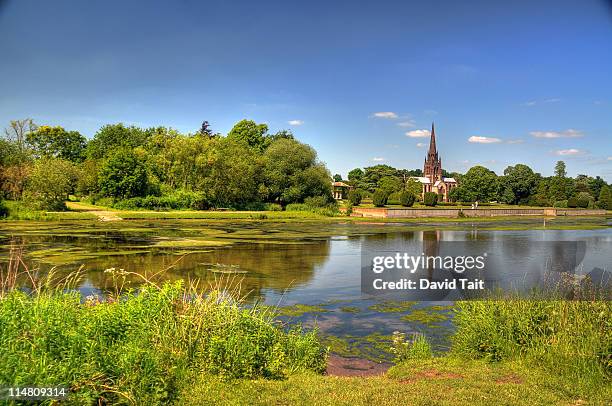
[437, 381]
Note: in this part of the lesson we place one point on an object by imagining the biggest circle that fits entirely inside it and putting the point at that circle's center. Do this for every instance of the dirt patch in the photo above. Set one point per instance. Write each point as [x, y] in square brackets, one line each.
[431, 374]
[106, 215]
[342, 366]
[509, 379]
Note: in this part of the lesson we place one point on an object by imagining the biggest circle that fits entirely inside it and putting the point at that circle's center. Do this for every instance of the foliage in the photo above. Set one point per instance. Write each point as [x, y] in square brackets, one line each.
[417, 348]
[569, 338]
[49, 184]
[478, 184]
[55, 142]
[572, 202]
[143, 347]
[123, 175]
[518, 184]
[116, 136]
[379, 199]
[355, 196]
[583, 199]
[430, 199]
[293, 173]
[337, 178]
[605, 198]
[251, 133]
[4, 211]
[407, 198]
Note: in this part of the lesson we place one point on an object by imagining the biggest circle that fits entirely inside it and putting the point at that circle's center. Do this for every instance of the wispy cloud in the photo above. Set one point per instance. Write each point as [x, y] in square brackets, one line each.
[610, 158]
[545, 101]
[476, 139]
[407, 123]
[378, 159]
[418, 133]
[519, 141]
[385, 114]
[295, 122]
[569, 133]
[569, 152]
[420, 144]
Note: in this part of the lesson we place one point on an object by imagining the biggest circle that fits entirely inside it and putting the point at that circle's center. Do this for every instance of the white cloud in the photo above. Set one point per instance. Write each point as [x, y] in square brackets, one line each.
[530, 103]
[515, 141]
[407, 123]
[610, 158]
[385, 114]
[418, 133]
[569, 133]
[378, 159]
[420, 144]
[568, 152]
[476, 139]
[295, 122]
[534, 102]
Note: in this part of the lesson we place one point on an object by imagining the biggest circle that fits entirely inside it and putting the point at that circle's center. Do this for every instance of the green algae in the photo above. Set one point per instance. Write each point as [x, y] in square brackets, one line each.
[392, 306]
[350, 309]
[298, 310]
[425, 316]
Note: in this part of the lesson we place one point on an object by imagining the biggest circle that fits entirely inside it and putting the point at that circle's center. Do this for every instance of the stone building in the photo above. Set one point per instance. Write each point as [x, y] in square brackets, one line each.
[432, 178]
[340, 190]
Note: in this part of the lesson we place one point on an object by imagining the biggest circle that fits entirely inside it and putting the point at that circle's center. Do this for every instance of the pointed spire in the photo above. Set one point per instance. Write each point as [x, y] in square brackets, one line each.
[432, 141]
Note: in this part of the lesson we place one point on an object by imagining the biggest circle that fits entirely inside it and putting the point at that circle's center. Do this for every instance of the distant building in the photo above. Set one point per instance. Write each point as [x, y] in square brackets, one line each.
[432, 179]
[340, 190]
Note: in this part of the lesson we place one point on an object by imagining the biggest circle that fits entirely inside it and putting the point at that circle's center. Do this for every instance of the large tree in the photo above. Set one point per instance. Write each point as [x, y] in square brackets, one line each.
[293, 173]
[113, 136]
[478, 184]
[18, 130]
[251, 133]
[56, 142]
[518, 184]
[123, 175]
[49, 183]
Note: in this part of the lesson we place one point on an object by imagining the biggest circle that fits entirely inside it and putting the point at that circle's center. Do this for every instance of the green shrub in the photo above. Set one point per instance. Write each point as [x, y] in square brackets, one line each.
[355, 197]
[560, 204]
[572, 202]
[379, 199]
[349, 209]
[316, 202]
[407, 199]
[145, 346]
[418, 348]
[4, 212]
[430, 199]
[583, 200]
[273, 207]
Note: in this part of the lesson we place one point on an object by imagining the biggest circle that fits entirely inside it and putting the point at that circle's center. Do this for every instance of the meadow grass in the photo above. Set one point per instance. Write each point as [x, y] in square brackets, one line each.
[140, 347]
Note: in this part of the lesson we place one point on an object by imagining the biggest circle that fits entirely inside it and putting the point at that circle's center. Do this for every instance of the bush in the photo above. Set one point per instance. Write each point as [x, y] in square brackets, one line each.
[146, 345]
[273, 207]
[430, 199]
[418, 348]
[572, 202]
[49, 184]
[349, 209]
[583, 200]
[317, 202]
[560, 204]
[355, 197]
[4, 212]
[406, 199]
[379, 199]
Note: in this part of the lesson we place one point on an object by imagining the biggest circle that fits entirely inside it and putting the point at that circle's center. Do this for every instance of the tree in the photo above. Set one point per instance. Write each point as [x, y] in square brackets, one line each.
[415, 187]
[379, 199]
[205, 129]
[113, 136]
[123, 175]
[605, 198]
[478, 184]
[430, 199]
[355, 197]
[560, 170]
[407, 198]
[583, 199]
[337, 178]
[19, 129]
[251, 133]
[49, 184]
[293, 173]
[55, 142]
[518, 184]
[281, 134]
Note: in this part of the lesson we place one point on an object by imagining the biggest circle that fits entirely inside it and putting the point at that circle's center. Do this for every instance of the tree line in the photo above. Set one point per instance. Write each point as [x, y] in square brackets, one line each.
[158, 167]
[519, 185]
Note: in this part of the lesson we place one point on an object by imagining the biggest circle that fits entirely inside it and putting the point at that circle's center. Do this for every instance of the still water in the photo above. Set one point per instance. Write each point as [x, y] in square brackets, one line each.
[311, 270]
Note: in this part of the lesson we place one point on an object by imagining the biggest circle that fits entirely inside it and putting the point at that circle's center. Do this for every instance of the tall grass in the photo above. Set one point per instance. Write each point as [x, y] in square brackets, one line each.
[572, 339]
[139, 347]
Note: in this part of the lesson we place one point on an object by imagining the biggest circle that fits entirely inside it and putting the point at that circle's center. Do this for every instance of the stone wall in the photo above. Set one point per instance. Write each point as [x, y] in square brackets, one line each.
[381, 212]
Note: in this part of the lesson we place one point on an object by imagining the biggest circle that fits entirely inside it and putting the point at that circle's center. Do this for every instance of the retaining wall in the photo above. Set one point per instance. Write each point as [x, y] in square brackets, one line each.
[381, 212]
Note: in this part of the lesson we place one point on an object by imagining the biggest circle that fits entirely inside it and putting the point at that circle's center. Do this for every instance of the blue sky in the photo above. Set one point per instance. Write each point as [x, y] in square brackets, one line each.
[525, 81]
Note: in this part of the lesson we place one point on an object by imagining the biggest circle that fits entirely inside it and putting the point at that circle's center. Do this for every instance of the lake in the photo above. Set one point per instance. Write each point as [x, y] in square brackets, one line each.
[311, 270]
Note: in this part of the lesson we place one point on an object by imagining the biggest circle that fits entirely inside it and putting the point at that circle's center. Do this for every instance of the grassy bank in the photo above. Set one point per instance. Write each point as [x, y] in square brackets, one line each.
[143, 348]
[167, 345]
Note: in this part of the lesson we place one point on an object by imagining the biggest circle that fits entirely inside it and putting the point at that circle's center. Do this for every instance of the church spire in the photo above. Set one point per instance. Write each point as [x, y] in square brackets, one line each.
[432, 141]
